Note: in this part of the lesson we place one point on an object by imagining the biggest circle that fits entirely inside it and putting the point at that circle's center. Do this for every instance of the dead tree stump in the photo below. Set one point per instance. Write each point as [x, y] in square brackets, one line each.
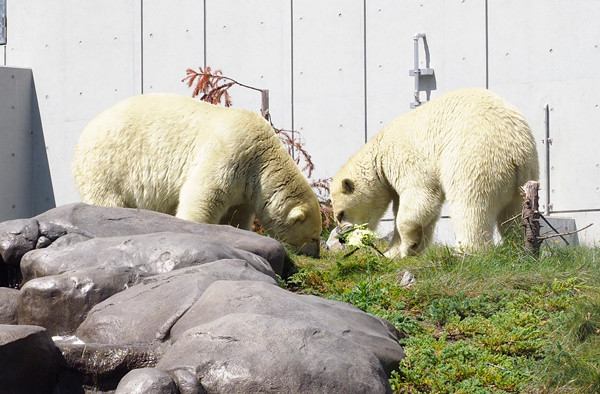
[531, 217]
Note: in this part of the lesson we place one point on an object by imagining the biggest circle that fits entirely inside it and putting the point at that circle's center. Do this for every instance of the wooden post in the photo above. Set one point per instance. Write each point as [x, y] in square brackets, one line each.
[531, 217]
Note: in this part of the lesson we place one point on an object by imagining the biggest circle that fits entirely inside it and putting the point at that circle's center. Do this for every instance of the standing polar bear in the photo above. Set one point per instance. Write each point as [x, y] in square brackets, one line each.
[197, 161]
[469, 147]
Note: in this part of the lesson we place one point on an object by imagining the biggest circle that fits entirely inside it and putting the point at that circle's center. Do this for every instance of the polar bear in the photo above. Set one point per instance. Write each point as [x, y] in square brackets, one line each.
[469, 147]
[197, 161]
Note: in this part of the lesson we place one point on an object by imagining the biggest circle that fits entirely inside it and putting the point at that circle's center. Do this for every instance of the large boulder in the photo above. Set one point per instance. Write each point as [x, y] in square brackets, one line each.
[145, 313]
[102, 366]
[63, 281]
[18, 237]
[222, 298]
[154, 253]
[29, 360]
[8, 305]
[252, 353]
[147, 381]
[61, 302]
[148, 303]
[229, 301]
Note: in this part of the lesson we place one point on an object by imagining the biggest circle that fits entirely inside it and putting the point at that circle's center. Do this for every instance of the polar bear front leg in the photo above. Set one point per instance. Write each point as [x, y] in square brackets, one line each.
[200, 205]
[392, 249]
[415, 219]
[240, 216]
[205, 195]
[410, 240]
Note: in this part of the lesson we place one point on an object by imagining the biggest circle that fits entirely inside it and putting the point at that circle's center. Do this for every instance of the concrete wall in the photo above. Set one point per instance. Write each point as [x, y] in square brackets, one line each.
[25, 185]
[337, 71]
[15, 146]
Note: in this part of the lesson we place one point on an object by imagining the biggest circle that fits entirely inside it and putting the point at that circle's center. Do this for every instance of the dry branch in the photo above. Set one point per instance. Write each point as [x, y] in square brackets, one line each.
[563, 234]
[511, 219]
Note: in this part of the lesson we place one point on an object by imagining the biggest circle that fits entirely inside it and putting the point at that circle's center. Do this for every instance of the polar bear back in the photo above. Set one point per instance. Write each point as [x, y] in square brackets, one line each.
[456, 130]
[141, 150]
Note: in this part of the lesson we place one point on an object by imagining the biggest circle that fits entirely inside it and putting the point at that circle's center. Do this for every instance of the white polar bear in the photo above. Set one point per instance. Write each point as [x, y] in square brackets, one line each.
[197, 161]
[469, 147]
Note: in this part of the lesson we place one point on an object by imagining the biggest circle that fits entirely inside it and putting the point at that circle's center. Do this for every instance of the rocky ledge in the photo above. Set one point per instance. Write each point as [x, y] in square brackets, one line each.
[121, 300]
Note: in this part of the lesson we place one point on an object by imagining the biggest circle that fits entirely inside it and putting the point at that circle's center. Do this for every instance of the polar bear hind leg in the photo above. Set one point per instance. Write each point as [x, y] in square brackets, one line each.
[473, 226]
[510, 211]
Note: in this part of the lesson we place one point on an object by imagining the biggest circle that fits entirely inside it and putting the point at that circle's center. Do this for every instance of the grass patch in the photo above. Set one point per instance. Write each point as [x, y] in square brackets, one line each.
[496, 321]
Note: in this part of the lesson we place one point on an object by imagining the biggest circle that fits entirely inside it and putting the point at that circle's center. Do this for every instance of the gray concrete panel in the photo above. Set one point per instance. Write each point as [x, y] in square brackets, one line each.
[250, 41]
[85, 56]
[337, 71]
[173, 41]
[329, 107]
[15, 143]
[552, 64]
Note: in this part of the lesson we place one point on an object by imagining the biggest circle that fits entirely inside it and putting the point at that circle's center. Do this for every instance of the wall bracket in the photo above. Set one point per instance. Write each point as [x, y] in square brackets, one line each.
[420, 73]
[2, 22]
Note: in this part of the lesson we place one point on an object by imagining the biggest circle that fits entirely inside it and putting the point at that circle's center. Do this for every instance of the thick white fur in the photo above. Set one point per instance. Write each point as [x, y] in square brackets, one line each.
[469, 147]
[198, 161]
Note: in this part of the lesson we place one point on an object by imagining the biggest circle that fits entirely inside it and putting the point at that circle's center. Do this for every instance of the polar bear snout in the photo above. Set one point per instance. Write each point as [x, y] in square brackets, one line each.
[343, 226]
[312, 248]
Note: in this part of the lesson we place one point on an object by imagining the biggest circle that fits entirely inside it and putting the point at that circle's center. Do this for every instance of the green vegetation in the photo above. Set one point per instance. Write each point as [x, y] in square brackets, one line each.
[496, 321]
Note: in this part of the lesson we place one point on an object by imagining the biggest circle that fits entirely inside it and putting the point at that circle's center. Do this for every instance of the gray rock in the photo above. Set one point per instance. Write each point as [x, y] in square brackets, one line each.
[251, 353]
[145, 313]
[333, 242]
[29, 360]
[65, 240]
[17, 237]
[372, 333]
[153, 253]
[406, 278]
[8, 305]
[167, 306]
[103, 366]
[61, 302]
[147, 381]
[97, 222]
[62, 283]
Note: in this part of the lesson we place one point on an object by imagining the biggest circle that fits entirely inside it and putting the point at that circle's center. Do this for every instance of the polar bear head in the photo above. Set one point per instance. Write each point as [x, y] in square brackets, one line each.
[349, 205]
[357, 200]
[304, 229]
[299, 226]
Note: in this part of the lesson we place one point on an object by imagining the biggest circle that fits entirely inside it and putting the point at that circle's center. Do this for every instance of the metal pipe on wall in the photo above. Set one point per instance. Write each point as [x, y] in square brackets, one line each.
[416, 69]
[547, 142]
[3, 22]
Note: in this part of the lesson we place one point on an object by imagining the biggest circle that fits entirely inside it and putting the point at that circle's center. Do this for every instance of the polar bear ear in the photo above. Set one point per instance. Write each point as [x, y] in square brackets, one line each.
[348, 186]
[296, 215]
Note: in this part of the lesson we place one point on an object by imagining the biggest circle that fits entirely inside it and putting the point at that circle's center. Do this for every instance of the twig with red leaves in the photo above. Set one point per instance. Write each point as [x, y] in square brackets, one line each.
[214, 86]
